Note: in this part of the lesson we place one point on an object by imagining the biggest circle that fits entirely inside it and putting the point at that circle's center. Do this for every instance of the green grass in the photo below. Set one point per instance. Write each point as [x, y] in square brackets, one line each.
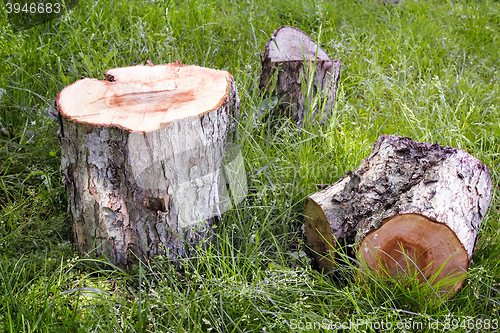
[424, 69]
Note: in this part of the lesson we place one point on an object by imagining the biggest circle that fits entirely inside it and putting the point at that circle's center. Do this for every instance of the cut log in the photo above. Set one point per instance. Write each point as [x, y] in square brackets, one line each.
[302, 65]
[407, 203]
[141, 158]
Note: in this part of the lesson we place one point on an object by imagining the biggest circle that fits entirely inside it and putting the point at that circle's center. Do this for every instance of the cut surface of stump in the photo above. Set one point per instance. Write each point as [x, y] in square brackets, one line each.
[300, 62]
[142, 154]
[145, 98]
[439, 194]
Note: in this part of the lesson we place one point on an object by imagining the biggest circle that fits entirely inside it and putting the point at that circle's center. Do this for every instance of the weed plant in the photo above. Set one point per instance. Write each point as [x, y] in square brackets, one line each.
[428, 70]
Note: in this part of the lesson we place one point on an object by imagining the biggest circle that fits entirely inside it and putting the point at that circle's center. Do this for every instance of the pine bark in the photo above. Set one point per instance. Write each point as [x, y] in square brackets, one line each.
[142, 154]
[446, 186]
[306, 78]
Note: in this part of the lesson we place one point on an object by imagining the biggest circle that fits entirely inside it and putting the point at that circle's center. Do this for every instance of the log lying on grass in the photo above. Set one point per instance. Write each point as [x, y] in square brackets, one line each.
[409, 205]
[301, 63]
[141, 157]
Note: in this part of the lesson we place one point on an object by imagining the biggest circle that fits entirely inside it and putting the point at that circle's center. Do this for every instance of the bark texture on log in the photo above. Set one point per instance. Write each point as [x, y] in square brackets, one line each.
[141, 158]
[300, 62]
[401, 176]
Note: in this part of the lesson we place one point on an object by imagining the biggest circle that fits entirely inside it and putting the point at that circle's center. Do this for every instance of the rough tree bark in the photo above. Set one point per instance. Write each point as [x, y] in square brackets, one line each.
[141, 158]
[301, 62]
[427, 198]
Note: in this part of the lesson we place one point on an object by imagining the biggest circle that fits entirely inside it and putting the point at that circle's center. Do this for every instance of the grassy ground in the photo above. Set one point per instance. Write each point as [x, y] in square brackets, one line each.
[426, 69]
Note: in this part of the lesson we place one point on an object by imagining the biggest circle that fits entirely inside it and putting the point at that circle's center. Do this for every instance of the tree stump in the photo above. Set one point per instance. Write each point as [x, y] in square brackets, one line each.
[141, 158]
[411, 207]
[307, 78]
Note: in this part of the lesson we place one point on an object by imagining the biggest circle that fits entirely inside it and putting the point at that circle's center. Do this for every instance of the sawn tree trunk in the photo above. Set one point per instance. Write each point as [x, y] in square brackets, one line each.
[142, 154]
[407, 202]
[306, 78]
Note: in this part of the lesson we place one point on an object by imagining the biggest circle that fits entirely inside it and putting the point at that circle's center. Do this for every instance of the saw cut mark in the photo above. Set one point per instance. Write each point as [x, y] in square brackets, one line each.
[146, 102]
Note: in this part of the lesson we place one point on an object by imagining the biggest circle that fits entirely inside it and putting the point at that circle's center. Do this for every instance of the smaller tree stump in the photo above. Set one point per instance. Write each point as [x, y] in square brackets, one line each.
[412, 207]
[307, 79]
[142, 158]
